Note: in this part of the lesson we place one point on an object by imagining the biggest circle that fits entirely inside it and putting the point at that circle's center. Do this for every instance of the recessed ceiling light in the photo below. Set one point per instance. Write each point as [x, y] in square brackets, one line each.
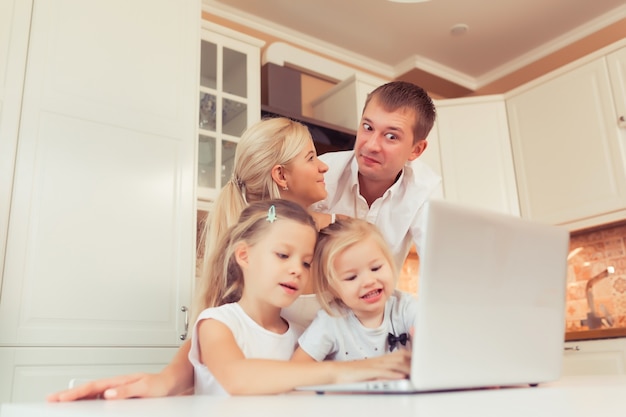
[459, 29]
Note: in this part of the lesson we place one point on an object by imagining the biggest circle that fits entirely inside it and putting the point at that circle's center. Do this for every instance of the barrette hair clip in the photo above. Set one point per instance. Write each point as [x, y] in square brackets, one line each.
[271, 214]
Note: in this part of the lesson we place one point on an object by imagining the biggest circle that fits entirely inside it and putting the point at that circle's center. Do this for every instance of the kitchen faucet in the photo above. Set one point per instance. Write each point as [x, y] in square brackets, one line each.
[593, 320]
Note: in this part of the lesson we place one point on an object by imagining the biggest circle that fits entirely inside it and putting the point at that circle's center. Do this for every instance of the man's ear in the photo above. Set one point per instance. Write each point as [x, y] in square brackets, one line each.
[241, 254]
[418, 149]
[278, 175]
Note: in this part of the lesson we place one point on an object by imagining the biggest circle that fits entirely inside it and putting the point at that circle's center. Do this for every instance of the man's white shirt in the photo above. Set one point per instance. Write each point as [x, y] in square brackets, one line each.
[399, 213]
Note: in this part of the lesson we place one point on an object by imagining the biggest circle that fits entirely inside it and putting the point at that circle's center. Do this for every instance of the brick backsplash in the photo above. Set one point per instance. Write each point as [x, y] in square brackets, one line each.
[407, 281]
[600, 248]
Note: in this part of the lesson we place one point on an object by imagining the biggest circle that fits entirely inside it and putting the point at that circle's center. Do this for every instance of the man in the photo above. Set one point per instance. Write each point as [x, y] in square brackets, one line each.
[380, 181]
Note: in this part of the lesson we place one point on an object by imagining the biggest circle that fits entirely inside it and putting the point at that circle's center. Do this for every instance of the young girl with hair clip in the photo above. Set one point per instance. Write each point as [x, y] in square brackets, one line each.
[362, 315]
[261, 266]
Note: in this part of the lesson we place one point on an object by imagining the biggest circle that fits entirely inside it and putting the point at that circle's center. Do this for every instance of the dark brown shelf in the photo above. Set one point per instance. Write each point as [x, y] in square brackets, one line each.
[327, 137]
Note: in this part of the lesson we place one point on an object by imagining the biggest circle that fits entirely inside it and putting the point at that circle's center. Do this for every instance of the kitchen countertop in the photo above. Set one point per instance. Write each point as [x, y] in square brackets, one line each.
[595, 334]
[572, 397]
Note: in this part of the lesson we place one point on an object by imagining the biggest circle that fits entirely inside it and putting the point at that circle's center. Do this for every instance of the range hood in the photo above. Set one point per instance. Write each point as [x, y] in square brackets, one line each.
[281, 95]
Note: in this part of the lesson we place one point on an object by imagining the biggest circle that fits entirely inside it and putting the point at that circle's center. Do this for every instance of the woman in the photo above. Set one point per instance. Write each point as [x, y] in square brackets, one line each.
[275, 158]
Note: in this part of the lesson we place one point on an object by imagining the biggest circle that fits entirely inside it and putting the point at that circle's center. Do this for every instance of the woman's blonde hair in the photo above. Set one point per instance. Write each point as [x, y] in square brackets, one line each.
[225, 279]
[333, 240]
[267, 143]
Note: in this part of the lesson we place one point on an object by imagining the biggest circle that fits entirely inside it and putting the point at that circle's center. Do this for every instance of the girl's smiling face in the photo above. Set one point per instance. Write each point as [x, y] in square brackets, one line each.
[364, 281]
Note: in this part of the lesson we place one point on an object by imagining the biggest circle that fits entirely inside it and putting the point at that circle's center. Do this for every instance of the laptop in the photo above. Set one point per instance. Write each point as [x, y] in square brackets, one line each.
[491, 304]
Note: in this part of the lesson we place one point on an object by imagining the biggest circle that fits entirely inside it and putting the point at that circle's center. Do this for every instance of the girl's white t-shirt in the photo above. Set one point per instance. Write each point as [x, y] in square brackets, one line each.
[342, 337]
[253, 340]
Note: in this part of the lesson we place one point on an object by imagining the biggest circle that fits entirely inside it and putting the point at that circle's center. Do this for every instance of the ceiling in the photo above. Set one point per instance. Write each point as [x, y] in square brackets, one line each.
[502, 35]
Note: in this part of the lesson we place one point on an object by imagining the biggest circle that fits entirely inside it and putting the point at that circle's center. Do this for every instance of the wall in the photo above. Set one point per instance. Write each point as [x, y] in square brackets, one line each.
[601, 247]
[565, 55]
[408, 279]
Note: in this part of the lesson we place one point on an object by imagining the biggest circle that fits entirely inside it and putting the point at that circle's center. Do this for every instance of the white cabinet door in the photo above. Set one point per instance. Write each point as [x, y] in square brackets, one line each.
[568, 147]
[476, 160]
[432, 155]
[595, 357]
[617, 70]
[29, 374]
[100, 247]
[14, 29]
[229, 102]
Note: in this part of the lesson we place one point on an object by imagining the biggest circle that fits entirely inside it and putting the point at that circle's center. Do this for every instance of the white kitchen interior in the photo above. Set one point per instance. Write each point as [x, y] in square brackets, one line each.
[99, 164]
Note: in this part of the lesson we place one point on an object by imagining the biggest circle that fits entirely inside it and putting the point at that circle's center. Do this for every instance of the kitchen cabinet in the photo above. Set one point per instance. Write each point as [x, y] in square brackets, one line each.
[36, 372]
[569, 145]
[475, 153]
[595, 357]
[100, 241]
[229, 102]
[432, 154]
[14, 21]
[617, 70]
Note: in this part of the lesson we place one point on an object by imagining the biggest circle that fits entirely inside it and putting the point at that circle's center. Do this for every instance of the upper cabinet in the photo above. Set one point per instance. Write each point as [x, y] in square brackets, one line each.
[475, 153]
[14, 27]
[617, 70]
[100, 243]
[98, 123]
[229, 101]
[569, 138]
[432, 155]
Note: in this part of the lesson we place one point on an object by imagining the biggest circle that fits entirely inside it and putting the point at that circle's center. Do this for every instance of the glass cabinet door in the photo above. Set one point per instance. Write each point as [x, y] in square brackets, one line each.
[229, 101]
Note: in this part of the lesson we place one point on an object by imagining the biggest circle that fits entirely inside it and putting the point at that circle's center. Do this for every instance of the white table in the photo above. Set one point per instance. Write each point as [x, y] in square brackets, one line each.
[572, 397]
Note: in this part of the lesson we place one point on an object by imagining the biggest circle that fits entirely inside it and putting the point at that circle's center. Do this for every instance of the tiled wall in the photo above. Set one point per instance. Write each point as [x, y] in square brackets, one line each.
[407, 280]
[601, 248]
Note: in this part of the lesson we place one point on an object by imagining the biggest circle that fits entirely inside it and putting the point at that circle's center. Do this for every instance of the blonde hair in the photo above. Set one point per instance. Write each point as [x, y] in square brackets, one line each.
[267, 143]
[332, 242]
[224, 281]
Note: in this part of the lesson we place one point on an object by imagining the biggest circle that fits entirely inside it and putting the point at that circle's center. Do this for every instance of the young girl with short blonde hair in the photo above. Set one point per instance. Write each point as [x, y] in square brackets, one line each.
[354, 277]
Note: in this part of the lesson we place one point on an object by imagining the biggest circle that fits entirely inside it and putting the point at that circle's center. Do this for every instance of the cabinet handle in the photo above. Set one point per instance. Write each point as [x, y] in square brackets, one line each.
[621, 122]
[185, 310]
[572, 348]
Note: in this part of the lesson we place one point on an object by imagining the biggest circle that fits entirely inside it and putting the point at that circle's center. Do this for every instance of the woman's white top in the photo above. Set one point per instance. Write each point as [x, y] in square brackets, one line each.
[302, 311]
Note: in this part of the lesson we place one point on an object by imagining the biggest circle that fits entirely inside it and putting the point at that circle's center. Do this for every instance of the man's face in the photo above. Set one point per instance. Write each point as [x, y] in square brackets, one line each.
[384, 142]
